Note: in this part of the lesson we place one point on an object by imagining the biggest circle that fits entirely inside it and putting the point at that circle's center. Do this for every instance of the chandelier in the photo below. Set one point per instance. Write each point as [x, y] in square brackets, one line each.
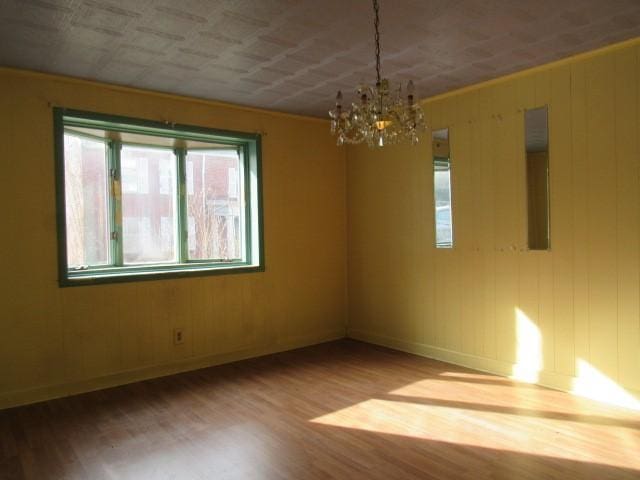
[382, 117]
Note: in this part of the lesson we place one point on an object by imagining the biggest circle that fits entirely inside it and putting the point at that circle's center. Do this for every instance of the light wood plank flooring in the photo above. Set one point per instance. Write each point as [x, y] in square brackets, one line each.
[341, 410]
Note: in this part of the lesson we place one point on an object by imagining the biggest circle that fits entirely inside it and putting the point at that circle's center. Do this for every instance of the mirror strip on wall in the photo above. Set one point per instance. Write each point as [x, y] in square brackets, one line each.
[442, 188]
[537, 167]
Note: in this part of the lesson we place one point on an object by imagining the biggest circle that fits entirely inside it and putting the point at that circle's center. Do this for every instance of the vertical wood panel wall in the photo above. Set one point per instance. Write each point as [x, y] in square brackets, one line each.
[58, 341]
[460, 304]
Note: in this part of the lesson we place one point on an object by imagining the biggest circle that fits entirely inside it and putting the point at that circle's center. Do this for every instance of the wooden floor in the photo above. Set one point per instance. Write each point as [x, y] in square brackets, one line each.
[342, 410]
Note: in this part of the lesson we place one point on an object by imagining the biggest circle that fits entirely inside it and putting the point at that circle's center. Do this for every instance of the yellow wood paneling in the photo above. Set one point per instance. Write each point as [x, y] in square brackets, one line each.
[487, 233]
[463, 220]
[546, 312]
[628, 234]
[561, 222]
[476, 290]
[582, 295]
[580, 210]
[602, 203]
[57, 341]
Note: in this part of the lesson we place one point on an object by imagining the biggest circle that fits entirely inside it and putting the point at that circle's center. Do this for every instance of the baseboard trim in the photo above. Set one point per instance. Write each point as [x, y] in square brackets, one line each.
[450, 356]
[552, 380]
[50, 392]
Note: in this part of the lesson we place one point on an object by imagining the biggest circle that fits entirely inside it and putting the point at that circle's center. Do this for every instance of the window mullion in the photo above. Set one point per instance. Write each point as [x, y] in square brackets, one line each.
[246, 198]
[116, 202]
[183, 221]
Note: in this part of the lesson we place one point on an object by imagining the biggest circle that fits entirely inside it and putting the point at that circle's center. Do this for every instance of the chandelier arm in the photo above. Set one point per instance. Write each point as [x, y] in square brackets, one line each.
[376, 23]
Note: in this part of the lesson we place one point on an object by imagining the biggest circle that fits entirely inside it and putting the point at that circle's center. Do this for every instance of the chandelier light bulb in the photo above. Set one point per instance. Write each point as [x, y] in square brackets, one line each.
[383, 123]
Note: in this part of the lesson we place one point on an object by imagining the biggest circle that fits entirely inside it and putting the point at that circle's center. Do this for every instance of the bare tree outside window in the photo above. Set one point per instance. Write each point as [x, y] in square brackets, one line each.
[214, 205]
[86, 201]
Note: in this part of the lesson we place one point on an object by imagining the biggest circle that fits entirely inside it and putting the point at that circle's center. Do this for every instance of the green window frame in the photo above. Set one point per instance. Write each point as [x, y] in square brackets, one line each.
[248, 148]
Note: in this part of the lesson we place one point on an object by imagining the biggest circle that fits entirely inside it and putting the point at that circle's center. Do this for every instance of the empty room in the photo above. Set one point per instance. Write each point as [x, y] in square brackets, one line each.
[298, 239]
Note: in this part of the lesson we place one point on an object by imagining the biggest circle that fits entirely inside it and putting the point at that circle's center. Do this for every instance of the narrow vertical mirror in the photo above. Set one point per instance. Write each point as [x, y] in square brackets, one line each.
[537, 155]
[442, 188]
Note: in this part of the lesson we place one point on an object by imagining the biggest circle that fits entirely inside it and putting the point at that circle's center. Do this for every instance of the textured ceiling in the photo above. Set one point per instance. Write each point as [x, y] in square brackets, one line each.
[292, 55]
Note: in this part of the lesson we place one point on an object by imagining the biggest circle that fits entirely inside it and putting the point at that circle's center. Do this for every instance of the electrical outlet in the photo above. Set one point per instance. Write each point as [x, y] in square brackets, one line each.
[178, 336]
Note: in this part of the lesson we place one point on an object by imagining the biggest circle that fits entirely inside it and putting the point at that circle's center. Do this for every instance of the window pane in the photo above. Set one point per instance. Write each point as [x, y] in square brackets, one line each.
[86, 198]
[148, 177]
[215, 205]
[442, 188]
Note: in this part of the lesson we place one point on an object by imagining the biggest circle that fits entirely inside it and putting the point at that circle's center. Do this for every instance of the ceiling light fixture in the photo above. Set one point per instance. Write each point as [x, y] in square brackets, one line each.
[382, 117]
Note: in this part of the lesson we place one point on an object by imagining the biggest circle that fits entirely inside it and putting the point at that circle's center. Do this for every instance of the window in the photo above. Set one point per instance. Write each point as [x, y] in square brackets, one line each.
[442, 188]
[142, 200]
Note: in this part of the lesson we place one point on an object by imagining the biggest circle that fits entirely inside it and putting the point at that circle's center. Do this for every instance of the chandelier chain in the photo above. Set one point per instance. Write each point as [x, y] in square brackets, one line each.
[376, 23]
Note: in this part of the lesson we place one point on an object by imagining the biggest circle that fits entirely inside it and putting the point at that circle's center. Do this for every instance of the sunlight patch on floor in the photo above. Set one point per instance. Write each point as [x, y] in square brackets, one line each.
[592, 383]
[472, 376]
[502, 393]
[480, 429]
